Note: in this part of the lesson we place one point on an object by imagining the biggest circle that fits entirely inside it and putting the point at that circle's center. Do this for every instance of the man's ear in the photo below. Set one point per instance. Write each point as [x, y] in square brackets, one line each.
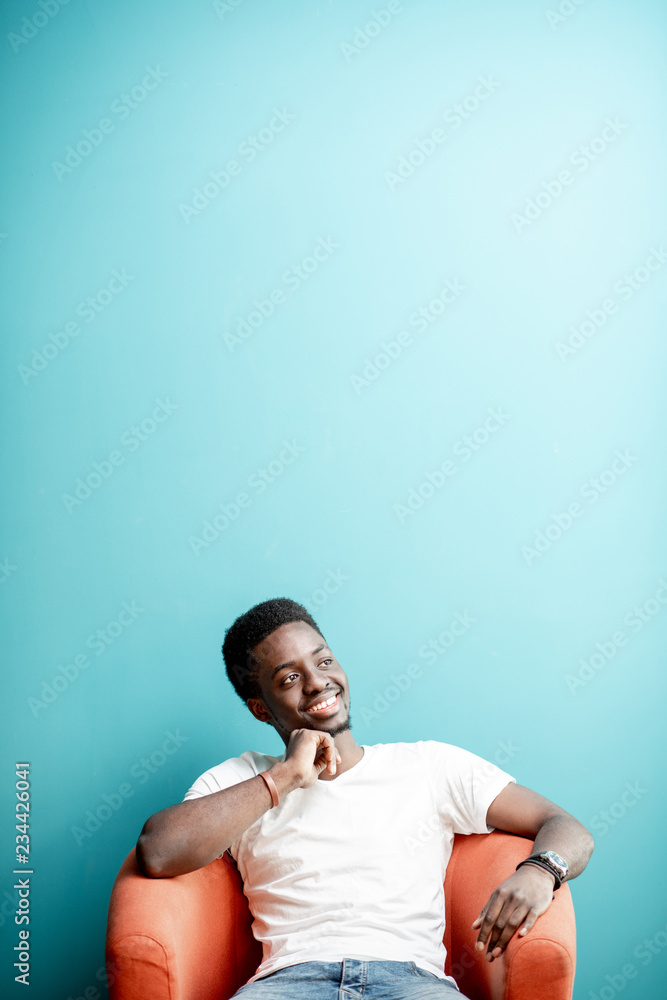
[259, 709]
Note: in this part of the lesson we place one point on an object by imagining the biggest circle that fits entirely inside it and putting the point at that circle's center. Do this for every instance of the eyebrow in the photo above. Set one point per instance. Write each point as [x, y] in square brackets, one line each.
[292, 663]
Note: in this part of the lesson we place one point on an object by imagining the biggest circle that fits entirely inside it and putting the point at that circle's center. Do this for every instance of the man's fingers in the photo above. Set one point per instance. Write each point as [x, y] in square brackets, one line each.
[330, 755]
[513, 917]
[513, 908]
[503, 926]
[498, 922]
[529, 921]
[486, 920]
[323, 757]
[505, 933]
[312, 753]
[514, 922]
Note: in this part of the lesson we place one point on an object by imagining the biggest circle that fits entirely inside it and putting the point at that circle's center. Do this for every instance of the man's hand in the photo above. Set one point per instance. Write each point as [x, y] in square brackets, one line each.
[514, 906]
[308, 754]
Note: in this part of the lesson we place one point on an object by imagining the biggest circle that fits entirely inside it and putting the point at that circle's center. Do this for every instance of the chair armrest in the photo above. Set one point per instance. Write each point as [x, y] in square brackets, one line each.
[540, 964]
[182, 938]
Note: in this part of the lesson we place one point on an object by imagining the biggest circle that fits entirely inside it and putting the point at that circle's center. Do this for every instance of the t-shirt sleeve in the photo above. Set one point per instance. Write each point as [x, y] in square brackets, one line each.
[224, 775]
[465, 785]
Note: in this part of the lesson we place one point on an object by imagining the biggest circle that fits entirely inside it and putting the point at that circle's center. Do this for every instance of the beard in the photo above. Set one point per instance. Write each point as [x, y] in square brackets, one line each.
[342, 727]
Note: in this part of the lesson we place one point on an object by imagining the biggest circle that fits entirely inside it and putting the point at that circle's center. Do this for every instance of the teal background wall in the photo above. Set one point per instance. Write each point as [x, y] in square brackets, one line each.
[497, 456]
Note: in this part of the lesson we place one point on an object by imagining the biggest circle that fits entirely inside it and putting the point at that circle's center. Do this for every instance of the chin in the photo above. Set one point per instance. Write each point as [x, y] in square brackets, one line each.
[340, 727]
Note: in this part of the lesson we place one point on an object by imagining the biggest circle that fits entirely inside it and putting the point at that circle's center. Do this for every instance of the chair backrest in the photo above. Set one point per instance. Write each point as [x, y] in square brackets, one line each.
[190, 938]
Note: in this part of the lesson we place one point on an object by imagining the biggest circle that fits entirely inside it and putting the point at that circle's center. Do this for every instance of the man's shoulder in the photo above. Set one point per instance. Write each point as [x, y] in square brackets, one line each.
[432, 754]
[424, 752]
[254, 760]
[231, 771]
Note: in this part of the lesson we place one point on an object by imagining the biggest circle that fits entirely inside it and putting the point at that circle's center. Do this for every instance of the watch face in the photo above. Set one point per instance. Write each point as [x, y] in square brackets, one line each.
[556, 859]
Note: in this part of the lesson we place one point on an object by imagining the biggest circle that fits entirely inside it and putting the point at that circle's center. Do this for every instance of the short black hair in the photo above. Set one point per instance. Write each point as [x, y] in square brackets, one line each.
[250, 629]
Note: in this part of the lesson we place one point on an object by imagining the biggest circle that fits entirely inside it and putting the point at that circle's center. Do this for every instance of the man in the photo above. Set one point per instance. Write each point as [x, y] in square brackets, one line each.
[340, 904]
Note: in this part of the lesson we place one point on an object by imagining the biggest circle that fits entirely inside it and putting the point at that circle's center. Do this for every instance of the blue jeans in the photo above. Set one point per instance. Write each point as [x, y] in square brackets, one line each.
[350, 980]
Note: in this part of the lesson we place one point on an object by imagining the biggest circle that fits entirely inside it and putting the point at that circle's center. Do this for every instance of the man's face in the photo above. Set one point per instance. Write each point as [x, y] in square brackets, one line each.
[303, 686]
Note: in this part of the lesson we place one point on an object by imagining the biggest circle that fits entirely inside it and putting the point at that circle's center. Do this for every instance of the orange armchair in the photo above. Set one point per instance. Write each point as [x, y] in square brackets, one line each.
[190, 937]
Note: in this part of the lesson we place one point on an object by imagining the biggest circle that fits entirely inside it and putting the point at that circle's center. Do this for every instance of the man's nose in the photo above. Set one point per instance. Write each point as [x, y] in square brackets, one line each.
[314, 680]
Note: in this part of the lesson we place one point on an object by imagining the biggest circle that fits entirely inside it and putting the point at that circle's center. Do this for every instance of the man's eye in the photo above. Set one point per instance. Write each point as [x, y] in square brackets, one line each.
[327, 662]
[288, 678]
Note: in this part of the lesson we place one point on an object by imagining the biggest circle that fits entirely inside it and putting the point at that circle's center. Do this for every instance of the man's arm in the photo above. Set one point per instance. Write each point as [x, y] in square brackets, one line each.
[189, 835]
[527, 894]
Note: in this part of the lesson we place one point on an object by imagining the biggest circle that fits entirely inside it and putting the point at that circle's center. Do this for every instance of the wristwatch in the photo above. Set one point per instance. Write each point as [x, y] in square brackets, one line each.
[551, 862]
[558, 863]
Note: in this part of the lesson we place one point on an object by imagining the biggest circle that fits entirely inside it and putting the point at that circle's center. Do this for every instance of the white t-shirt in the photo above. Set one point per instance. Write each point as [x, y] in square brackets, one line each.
[354, 867]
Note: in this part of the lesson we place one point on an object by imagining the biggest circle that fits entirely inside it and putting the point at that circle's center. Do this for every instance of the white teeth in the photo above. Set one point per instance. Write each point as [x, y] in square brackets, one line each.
[323, 704]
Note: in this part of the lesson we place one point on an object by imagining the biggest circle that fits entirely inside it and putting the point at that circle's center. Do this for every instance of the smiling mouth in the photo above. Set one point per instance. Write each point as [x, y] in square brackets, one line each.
[325, 706]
